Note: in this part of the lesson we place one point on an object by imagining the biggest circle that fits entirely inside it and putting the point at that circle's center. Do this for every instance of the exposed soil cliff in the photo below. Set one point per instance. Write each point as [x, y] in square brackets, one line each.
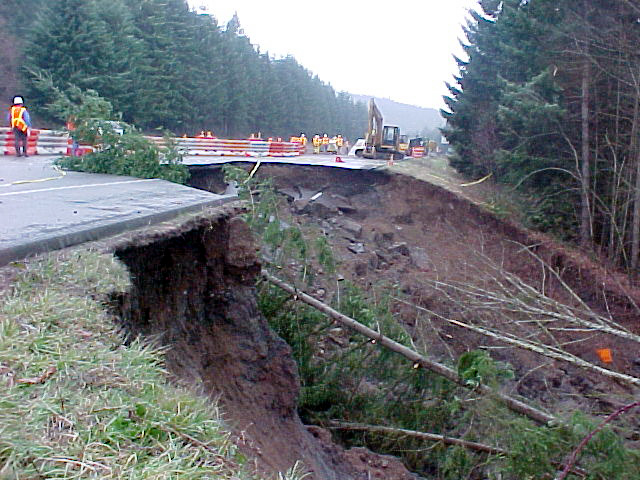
[193, 289]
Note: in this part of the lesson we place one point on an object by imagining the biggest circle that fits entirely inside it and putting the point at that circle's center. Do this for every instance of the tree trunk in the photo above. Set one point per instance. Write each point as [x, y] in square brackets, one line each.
[635, 154]
[585, 216]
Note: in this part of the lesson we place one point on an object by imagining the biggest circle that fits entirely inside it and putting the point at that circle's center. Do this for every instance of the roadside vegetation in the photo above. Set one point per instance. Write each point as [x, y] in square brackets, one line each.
[548, 103]
[370, 396]
[118, 148]
[75, 402]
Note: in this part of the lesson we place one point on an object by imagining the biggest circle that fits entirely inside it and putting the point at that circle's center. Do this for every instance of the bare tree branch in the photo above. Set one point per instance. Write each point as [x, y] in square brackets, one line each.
[432, 437]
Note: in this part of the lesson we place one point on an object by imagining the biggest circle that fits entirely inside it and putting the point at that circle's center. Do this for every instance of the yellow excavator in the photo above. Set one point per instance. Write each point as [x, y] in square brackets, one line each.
[381, 141]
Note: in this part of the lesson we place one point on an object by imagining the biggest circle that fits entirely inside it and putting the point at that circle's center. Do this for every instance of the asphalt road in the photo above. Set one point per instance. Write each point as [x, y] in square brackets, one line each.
[320, 160]
[42, 208]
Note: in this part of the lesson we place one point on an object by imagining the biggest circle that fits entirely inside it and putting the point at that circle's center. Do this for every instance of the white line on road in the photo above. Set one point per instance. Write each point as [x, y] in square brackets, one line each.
[78, 186]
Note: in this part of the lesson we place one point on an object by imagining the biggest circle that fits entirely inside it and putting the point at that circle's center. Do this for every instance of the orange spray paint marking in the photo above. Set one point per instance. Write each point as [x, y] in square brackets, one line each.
[605, 355]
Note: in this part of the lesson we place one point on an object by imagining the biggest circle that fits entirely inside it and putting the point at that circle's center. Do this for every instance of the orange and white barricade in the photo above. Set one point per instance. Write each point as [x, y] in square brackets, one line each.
[417, 152]
[53, 142]
[253, 147]
[39, 142]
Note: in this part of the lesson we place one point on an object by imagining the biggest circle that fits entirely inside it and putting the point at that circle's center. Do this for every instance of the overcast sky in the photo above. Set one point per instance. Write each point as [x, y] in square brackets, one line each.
[399, 49]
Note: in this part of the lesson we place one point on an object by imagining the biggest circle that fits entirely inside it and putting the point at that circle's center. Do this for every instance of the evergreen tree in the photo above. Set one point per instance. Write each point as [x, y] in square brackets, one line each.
[166, 74]
[86, 44]
[549, 100]
[19, 15]
[163, 65]
[238, 54]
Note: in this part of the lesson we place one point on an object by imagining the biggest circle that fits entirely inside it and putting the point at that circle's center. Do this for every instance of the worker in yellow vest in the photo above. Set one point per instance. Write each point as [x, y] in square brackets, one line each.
[20, 122]
[316, 143]
[339, 144]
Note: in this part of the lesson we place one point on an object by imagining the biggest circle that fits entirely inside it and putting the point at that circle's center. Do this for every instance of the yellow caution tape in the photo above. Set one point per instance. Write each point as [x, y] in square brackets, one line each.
[476, 182]
[253, 171]
[38, 180]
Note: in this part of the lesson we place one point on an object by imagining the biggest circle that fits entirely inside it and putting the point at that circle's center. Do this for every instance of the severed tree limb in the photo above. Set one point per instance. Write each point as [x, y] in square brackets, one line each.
[512, 403]
[574, 456]
[480, 447]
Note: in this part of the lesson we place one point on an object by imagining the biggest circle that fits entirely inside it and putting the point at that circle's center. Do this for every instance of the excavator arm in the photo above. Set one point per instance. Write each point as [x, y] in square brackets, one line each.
[374, 132]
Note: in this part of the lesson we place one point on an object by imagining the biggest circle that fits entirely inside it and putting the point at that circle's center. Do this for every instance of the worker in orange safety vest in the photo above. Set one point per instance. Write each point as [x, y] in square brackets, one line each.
[325, 142]
[71, 128]
[339, 143]
[20, 122]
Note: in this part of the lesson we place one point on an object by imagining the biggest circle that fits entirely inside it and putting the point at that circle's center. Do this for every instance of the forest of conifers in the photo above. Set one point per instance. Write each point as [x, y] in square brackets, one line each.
[549, 102]
[162, 65]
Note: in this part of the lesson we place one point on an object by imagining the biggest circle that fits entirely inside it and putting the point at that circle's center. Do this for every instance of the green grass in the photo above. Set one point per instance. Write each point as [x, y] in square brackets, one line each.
[108, 411]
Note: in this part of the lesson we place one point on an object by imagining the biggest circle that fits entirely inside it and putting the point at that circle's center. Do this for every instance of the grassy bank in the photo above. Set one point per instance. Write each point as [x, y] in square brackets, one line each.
[77, 403]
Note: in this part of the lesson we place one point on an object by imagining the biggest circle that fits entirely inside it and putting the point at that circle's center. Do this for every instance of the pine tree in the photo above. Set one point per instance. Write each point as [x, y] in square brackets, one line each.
[86, 44]
[166, 72]
[549, 100]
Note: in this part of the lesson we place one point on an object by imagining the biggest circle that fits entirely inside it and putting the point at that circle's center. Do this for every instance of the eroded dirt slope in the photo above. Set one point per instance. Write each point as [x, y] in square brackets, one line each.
[193, 290]
[395, 230]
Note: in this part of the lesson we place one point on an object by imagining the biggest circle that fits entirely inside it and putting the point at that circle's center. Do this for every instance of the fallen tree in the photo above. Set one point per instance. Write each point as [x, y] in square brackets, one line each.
[418, 360]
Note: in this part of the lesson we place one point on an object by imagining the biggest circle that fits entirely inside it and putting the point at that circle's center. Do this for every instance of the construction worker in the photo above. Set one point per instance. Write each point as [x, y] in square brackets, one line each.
[20, 122]
[317, 142]
[71, 127]
[333, 146]
[339, 143]
[325, 143]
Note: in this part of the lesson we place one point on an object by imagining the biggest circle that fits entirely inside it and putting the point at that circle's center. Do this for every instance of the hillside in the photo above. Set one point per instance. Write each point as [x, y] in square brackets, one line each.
[416, 263]
[410, 118]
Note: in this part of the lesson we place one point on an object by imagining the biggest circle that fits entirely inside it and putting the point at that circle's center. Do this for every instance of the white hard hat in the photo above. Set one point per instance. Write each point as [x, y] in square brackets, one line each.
[17, 100]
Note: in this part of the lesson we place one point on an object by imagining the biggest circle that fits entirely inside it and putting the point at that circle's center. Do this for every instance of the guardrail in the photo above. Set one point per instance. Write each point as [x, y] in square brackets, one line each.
[54, 142]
